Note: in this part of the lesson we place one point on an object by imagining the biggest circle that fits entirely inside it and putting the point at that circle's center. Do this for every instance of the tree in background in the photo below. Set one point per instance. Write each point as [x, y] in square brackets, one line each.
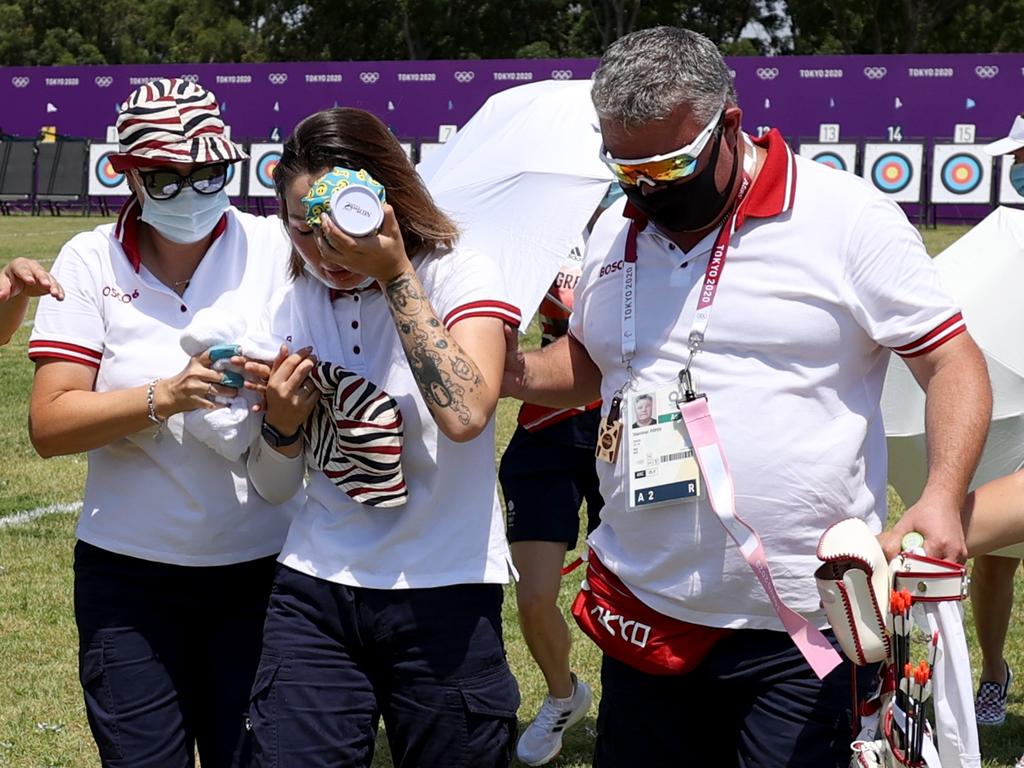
[43, 32]
[907, 26]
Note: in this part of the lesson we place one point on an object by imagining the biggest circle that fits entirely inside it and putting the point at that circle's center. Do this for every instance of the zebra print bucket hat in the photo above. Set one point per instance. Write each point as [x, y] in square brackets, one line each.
[174, 121]
[355, 436]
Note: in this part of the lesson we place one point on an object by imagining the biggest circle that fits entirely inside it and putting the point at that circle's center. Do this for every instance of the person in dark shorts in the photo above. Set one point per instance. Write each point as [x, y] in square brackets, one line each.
[546, 473]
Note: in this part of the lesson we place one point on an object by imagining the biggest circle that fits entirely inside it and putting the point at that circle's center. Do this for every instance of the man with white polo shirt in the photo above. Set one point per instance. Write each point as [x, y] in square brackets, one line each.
[755, 296]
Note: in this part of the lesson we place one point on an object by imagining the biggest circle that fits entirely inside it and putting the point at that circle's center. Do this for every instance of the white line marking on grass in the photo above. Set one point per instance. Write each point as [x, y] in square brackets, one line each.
[21, 518]
[71, 230]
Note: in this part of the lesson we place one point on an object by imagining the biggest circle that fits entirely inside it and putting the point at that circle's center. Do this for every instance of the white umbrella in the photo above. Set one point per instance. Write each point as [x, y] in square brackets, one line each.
[522, 178]
[984, 270]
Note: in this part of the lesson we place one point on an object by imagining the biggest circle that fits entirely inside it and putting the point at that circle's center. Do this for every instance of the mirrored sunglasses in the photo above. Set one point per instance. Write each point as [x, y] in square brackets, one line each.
[659, 169]
[164, 183]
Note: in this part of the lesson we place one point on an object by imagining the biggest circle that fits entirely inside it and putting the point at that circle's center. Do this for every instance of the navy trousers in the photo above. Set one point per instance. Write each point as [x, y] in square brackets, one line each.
[337, 659]
[752, 703]
[167, 656]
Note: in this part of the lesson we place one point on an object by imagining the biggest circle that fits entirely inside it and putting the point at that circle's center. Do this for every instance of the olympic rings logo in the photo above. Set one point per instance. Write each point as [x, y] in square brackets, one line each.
[277, 78]
[464, 76]
[875, 73]
[369, 77]
[19, 82]
[103, 81]
[986, 72]
[767, 73]
[189, 78]
[561, 74]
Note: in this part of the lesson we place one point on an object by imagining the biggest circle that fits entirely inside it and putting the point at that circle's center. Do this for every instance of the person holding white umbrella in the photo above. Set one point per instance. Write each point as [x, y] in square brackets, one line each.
[992, 576]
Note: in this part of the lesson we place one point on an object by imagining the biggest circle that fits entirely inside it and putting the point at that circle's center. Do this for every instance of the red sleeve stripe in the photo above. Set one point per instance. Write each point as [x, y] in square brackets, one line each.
[498, 309]
[935, 338]
[51, 355]
[41, 348]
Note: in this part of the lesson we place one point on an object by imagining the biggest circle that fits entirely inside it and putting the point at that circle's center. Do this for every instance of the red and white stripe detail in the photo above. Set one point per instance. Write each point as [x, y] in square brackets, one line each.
[533, 417]
[935, 338]
[41, 349]
[507, 313]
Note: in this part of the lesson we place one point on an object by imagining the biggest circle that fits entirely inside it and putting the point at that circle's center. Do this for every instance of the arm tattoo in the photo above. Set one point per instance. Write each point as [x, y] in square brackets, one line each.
[403, 295]
[437, 361]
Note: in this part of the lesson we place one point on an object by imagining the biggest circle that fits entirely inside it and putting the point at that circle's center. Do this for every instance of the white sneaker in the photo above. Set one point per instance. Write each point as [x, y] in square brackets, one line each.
[542, 740]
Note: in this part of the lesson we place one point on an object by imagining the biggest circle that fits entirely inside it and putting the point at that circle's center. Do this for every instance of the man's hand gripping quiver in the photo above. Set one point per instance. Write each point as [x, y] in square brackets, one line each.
[854, 585]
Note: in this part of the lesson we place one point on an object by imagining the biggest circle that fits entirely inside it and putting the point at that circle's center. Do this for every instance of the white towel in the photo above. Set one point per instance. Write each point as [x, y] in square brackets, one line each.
[231, 430]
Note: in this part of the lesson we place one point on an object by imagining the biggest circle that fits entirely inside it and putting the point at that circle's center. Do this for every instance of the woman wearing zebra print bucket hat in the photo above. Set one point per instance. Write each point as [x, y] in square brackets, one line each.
[175, 551]
[385, 611]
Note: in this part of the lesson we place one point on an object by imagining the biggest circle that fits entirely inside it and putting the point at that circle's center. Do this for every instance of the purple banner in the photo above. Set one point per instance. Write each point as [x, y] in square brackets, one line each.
[878, 97]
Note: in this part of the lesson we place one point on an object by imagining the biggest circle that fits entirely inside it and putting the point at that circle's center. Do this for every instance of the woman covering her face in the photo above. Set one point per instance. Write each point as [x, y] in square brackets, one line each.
[387, 599]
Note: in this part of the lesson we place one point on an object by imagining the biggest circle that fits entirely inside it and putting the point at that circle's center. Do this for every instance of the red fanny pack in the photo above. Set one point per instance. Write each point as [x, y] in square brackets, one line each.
[635, 634]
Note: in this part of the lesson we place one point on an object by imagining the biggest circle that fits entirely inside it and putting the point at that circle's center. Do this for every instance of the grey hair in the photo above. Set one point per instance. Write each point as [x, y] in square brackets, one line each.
[646, 74]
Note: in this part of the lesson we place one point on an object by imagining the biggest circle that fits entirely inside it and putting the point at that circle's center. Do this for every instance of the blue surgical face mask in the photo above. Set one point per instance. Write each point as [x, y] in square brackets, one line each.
[1017, 177]
[187, 217]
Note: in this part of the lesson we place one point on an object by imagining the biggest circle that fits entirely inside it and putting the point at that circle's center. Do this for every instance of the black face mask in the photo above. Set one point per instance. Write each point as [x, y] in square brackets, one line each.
[691, 206]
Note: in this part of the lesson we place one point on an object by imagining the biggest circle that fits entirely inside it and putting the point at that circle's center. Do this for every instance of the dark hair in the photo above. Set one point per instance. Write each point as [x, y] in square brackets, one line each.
[357, 139]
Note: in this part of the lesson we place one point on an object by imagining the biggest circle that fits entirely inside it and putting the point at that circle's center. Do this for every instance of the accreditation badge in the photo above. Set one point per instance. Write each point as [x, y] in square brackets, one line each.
[660, 465]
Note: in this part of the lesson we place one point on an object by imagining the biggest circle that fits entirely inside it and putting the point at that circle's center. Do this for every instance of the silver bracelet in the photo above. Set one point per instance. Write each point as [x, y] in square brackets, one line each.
[151, 403]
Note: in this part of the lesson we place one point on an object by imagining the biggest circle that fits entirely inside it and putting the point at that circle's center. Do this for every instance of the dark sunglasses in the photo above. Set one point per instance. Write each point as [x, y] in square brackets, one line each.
[164, 184]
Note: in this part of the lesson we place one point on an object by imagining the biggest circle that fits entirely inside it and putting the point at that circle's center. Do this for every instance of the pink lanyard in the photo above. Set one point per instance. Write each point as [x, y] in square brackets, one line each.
[707, 445]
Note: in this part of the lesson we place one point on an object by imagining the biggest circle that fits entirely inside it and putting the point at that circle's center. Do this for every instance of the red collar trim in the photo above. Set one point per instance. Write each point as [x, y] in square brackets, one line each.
[127, 230]
[774, 188]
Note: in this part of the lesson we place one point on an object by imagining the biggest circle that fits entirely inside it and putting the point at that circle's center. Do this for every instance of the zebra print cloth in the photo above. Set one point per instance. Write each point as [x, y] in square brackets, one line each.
[172, 121]
[354, 436]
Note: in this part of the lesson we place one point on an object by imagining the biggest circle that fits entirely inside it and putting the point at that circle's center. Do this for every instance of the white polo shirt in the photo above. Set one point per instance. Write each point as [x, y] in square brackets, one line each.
[172, 499]
[823, 278]
[450, 531]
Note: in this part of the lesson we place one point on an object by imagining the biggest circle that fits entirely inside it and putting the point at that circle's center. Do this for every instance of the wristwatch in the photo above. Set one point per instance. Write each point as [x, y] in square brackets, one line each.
[276, 439]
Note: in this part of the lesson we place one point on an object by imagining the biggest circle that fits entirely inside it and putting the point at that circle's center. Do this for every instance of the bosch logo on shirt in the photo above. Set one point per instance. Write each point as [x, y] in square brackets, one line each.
[607, 269]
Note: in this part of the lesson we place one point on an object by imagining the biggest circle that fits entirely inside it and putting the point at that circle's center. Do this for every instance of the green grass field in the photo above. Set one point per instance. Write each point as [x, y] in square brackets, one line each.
[42, 720]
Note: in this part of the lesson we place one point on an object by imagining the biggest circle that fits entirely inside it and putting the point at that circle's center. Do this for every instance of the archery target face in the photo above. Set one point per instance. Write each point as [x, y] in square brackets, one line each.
[895, 170]
[1007, 194]
[104, 181]
[842, 157]
[263, 160]
[892, 172]
[831, 159]
[961, 173]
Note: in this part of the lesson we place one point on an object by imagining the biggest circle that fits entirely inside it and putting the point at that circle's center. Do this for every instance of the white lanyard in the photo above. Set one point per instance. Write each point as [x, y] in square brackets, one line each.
[707, 445]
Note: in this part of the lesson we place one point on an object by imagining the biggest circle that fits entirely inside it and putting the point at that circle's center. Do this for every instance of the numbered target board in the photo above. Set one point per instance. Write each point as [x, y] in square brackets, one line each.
[1007, 194]
[427, 147]
[104, 181]
[961, 173]
[263, 159]
[895, 170]
[234, 183]
[842, 157]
